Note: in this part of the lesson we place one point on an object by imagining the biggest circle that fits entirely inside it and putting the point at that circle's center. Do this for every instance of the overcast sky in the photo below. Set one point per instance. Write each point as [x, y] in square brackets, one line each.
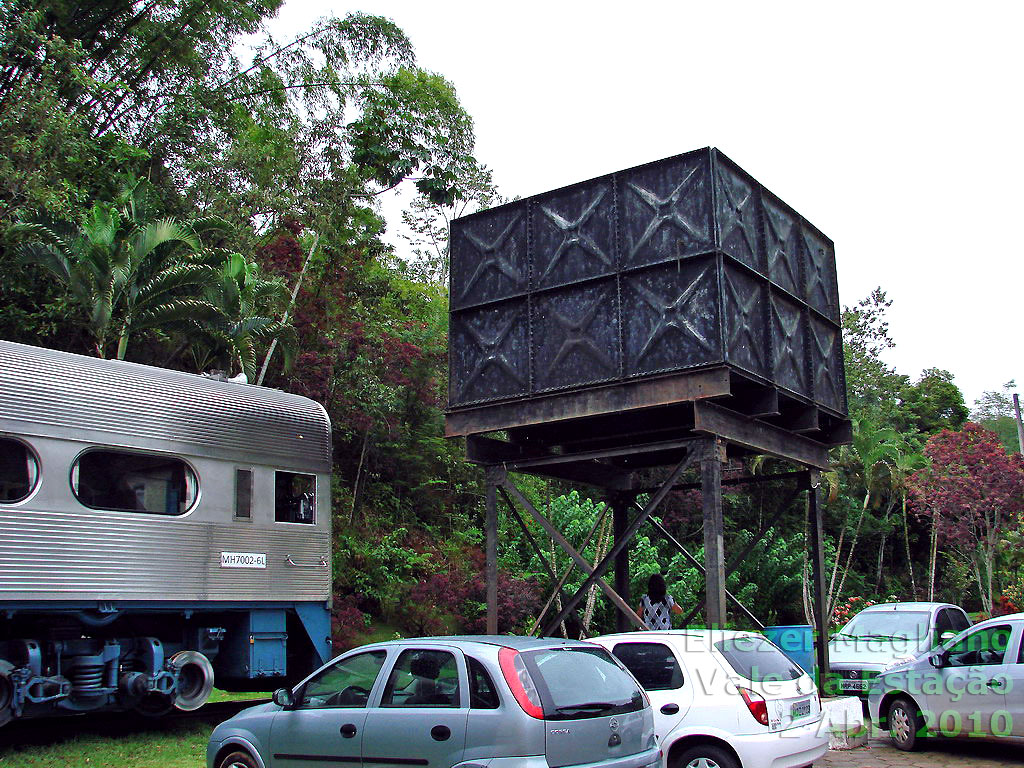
[894, 127]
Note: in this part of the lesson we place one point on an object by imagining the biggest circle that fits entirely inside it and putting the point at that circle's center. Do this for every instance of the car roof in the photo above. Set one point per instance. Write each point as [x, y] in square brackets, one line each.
[707, 635]
[518, 642]
[908, 606]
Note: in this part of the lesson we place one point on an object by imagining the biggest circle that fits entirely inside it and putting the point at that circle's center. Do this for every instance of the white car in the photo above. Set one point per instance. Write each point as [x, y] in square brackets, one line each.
[724, 699]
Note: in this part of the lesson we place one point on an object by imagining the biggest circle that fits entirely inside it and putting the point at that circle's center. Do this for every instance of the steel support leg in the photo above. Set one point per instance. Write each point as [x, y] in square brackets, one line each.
[714, 557]
[620, 521]
[491, 552]
[818, 576]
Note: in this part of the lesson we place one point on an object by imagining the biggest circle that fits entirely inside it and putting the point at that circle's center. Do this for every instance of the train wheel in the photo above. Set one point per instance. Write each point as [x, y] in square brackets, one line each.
[237, 760]
[195, 679]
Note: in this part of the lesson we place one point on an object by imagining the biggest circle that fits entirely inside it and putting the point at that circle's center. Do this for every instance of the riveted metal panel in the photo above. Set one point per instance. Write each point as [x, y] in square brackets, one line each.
[756, 269]
[573, 234]
[44, 391]
[789, 344]
[67, 554]
[745, 311]
[665, 210]
[489, 350]
[827, 361]
[784, 248]
[737, 214]
[576, 333]
[822, 290]
[671, 318]
[488, 254]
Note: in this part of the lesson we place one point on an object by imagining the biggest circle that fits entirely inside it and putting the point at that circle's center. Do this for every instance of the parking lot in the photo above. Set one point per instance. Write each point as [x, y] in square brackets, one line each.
[879, 753]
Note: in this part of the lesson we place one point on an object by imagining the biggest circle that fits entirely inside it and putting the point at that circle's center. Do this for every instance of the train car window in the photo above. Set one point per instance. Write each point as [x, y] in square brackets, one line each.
[243, 493]
[19, 471]
[294, 497]
[134, 482]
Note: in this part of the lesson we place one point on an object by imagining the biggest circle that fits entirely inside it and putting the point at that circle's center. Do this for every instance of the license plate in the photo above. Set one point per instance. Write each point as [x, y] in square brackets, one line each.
[853, 685]
[801, 709]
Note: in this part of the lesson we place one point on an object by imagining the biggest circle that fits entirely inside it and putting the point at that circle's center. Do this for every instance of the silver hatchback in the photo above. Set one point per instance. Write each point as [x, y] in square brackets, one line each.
[504, 702]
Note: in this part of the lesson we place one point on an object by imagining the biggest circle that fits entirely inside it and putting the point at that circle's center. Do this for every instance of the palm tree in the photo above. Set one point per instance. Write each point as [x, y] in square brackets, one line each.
[907, 461]
[873, 450]
[127, 275]
[247, 303]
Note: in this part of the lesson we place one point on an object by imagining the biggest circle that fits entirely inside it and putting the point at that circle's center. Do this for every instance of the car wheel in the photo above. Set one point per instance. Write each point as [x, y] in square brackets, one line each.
[238, 759]
[904, 723]
[705, 756]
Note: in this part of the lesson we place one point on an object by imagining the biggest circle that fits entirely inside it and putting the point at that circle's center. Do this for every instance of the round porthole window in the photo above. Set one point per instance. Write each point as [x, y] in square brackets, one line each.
[19, 471]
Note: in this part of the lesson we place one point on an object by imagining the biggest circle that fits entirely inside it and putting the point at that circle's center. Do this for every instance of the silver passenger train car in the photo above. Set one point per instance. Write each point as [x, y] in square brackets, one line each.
[159, 532]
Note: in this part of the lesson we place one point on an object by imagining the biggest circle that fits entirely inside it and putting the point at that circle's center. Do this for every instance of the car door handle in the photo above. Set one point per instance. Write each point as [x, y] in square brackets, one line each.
[348, 730]
[440, 733]
[669, 709]
[994, 683]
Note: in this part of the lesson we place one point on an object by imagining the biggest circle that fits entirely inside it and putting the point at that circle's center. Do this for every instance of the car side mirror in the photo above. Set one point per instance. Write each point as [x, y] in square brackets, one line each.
[283, 698]
[937, 660]
[946, 636]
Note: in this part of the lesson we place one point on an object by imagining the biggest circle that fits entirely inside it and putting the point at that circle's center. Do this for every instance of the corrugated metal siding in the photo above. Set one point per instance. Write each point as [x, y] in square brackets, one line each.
[110, 556]
[43, 387]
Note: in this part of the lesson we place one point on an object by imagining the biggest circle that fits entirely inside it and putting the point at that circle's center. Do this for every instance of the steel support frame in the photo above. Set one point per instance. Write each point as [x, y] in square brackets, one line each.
[710, 450]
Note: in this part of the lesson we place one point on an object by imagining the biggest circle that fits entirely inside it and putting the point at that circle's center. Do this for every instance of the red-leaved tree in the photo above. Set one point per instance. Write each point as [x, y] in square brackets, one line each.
[972, 491]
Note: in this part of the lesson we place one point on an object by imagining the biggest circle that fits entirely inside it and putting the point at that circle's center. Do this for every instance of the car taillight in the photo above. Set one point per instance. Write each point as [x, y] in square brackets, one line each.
[756, 704]
[519, 682]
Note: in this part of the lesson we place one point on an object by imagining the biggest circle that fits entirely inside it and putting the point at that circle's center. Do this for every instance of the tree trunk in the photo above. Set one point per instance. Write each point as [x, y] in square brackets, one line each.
[849, 556]
[357, 488]
[931, 560]
[906, 541]
[599, 550]
[291, 305]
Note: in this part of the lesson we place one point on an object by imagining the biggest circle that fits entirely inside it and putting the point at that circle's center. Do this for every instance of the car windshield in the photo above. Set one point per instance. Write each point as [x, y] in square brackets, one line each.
[757, 659]
[902, 625]
[582, 682]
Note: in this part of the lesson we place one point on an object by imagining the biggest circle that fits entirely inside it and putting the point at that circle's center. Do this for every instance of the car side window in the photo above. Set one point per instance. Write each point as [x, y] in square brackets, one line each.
[653, 665]
[482, 693]
[959, 619]
[346, 683]
[423, 678]
[986, 646]
[943, 623]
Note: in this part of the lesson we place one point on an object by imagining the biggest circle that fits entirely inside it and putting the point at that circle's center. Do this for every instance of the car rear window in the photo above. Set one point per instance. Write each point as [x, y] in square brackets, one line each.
[576, 683]
[652, 664]
[757, 660]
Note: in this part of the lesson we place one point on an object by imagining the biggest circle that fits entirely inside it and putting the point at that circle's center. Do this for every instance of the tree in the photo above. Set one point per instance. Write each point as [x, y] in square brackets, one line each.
[870, 456]
[994, 411]
[127, 275]
[872, 385]
[429, 224]
[248, 305]
[971, 493]
[932, 403]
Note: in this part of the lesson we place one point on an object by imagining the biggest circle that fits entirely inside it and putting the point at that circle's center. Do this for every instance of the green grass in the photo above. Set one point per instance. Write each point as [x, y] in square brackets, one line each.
[181, 745]
[125, 741]
[219, 695]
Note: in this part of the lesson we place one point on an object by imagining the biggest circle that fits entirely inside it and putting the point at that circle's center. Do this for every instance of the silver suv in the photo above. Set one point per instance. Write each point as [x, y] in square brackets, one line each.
[884, 636]
[504, 702]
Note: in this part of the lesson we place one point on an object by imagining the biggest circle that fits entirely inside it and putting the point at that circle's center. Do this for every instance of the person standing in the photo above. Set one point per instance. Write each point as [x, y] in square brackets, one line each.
[657, 606]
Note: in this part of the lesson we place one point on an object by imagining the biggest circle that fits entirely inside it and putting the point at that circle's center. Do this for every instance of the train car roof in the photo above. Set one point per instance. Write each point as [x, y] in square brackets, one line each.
[45, 392]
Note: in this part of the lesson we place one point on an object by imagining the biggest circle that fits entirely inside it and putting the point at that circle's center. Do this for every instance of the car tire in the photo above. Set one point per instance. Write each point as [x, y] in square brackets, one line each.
[705, 756]
[238, 759]
[904, 723]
